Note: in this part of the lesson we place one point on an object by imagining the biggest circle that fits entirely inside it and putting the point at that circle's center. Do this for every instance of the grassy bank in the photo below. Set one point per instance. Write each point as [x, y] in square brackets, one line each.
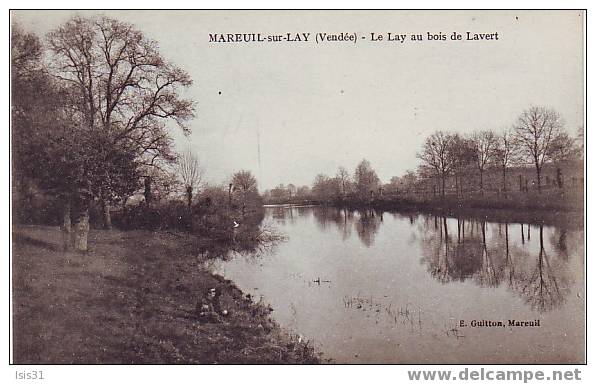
[572, 217]
[135, 297]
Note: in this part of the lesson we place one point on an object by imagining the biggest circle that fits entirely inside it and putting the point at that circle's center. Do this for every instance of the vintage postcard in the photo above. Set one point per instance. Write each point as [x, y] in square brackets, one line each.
[301, 187]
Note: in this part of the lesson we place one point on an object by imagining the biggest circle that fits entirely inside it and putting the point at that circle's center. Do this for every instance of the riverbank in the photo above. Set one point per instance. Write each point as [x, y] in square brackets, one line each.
[548, 208]
[137, 297]
[569, 217]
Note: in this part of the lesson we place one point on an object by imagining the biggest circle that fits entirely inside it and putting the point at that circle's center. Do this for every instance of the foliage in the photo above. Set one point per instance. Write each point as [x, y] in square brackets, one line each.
[121, 93]
[365, 179]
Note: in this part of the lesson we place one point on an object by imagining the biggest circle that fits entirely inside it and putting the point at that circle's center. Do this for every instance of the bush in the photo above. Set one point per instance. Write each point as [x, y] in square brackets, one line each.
[167, 215]
[38, 209]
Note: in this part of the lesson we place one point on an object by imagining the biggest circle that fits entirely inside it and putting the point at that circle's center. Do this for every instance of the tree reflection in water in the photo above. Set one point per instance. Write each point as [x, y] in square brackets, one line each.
[540, 288]
[366, 222]
[368, 225]
[486, 254]
[457, 249]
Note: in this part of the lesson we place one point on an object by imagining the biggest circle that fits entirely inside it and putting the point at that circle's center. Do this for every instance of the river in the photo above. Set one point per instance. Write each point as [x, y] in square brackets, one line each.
[378, 287]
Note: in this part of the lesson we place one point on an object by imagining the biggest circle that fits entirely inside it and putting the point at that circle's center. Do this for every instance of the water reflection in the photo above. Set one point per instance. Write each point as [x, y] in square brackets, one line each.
[367, 226]
[371, 286]
[366, 222]
[289, 214]
[457, 249]
[487, 254]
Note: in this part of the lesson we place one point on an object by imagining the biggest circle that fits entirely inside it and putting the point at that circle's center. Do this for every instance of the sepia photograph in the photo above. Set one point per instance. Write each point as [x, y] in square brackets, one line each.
[297, 187]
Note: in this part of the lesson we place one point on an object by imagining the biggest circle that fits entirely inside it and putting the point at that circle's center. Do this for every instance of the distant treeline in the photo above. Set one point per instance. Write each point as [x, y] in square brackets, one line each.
[535, 164]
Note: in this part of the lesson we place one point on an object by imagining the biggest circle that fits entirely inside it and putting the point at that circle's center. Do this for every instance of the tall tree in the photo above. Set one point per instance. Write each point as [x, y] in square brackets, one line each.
[46, 144]
[365, 179]
[463, 155]
[504, 154]
[537, 130]
[485, 143]
[32, 110]
[436, 155]
[113, 172]
[244, 182]
[122, 86]
[343, 178]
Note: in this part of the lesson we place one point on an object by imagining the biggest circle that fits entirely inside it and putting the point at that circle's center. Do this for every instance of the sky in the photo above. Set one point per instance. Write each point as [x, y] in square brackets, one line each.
[311, 108]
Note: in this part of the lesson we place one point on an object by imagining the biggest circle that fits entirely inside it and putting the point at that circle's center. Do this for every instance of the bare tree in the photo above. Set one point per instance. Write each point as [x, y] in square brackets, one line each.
[122, 87]
[436, 156]
[485, 143]
[343, 178]
[191, 174]
[565, 147]
[537, 130]
[463, 155]
[504, 154]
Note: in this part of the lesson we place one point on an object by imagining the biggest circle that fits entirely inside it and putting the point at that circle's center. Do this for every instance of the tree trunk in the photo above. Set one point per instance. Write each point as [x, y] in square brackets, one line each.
[481, 182]
[443, 186]
[189, 197]
[107, 217]
[148, 193]
[505, 181]
[82, 231]
[244, 198]
[66, 225]
[189, 203]
[538, 177]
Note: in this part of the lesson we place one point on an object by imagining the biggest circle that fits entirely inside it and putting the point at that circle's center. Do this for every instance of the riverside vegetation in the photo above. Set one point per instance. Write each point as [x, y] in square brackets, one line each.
[91, 104]
[112, 225]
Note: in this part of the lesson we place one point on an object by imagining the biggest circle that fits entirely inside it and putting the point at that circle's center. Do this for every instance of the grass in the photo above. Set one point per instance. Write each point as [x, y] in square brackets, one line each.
[135, 298]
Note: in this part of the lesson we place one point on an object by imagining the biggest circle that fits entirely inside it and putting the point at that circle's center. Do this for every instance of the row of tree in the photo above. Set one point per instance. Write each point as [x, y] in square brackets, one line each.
[362, 184]
[536, 138]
